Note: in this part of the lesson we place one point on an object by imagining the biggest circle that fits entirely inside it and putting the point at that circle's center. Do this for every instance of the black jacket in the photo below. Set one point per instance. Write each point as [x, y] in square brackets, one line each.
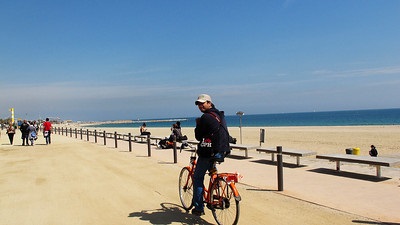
[24, 128]
[212, 125]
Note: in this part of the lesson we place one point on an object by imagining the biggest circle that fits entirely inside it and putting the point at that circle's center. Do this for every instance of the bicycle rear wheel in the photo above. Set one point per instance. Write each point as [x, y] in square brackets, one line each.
[186, 188]
[224, 205]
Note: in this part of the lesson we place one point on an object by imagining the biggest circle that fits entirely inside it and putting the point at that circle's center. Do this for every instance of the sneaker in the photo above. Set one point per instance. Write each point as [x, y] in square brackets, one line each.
[197, 212]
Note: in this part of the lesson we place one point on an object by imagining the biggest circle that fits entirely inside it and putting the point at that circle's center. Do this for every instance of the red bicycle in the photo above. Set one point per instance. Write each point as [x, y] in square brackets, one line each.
[221, 196]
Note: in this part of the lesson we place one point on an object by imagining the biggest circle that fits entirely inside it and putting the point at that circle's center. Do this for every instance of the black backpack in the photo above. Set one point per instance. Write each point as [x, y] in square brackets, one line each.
[165, 144]
[221, 138]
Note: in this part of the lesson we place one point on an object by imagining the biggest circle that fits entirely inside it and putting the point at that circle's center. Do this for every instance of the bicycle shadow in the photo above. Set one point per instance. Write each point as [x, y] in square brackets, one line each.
[168, 214]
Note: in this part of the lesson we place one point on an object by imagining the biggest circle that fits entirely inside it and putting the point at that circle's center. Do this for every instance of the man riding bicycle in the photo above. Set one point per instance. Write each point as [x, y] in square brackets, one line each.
[212, 133]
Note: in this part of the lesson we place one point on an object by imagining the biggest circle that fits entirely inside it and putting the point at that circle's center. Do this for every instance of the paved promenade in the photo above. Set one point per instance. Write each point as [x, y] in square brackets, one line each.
[73, 181]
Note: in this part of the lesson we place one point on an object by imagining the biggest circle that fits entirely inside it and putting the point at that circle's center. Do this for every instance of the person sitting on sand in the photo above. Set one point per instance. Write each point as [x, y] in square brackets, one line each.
[373, 152]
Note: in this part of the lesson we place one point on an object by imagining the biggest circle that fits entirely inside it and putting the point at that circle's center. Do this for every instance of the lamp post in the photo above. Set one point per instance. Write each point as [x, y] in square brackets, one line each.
[240, 114]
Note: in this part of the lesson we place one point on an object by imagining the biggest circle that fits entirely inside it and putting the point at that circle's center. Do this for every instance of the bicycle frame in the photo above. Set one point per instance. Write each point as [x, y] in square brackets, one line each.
[230, 178]
[220, 195]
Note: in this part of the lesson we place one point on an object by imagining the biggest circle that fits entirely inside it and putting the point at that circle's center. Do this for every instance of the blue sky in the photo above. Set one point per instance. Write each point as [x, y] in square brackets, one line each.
[109, 60]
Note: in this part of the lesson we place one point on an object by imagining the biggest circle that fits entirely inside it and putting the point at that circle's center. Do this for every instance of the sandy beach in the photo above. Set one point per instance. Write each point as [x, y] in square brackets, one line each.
[324, 139]
[74, 181]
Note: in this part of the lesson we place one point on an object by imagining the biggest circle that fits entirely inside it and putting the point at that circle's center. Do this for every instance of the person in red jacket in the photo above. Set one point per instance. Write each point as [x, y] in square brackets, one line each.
[47, 131]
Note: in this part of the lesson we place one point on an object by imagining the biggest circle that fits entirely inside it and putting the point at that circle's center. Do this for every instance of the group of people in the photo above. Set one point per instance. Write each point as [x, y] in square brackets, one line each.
[176, 134]
[29, 132]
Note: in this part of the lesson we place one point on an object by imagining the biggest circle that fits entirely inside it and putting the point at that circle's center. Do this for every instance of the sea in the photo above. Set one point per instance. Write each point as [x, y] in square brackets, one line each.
[331, 118]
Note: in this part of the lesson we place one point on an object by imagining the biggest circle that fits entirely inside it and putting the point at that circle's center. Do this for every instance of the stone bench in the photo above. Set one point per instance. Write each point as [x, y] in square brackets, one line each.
[156, 139]
[142, 138]
[291, 152]
[372, 161]
[245, 148]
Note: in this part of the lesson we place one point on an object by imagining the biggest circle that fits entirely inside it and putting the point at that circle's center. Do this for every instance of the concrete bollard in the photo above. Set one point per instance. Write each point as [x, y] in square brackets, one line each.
[130, 141]
[280, 168]
[148, 146]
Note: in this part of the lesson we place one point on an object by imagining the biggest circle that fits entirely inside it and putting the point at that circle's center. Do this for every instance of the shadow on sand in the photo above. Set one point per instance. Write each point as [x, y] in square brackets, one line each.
[349, 174]
[274, 163]
[168, 213]
[372, 222]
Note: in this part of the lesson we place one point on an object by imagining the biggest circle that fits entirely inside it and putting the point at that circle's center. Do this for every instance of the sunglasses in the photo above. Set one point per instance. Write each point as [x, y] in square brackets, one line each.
[200, 103]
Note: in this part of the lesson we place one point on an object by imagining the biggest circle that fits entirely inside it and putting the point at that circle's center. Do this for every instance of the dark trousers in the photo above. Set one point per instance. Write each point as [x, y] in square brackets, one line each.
[48, 140]
[203, 164]
[25, 139]
[11, 137]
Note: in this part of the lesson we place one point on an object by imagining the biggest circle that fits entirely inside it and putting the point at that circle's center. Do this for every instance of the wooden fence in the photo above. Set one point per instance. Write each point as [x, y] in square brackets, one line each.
[103, 135]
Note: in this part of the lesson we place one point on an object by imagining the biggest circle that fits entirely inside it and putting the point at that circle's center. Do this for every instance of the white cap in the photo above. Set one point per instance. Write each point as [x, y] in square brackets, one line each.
[203, 98]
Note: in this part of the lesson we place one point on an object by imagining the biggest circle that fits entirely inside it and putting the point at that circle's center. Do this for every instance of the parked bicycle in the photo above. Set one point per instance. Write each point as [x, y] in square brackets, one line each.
[221, 196]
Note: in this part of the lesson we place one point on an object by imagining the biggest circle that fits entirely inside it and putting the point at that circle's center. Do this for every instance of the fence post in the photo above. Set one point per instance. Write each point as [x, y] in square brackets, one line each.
[148, 145]
[174, 150]
[81, 134]
[87, 134]
[262, 136]
[104, 135]
[76, 133]
[130, 141]
[62, 131]
[95, 136]
[115, 138]
[70, 132]
[280, 168]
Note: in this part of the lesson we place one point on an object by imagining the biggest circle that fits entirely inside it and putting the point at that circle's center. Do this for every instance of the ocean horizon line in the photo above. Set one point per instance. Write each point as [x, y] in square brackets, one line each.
[180, 118]
[315, 118]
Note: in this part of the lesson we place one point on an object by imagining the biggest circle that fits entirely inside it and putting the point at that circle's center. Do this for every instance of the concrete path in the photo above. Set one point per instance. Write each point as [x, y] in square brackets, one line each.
[74, 181]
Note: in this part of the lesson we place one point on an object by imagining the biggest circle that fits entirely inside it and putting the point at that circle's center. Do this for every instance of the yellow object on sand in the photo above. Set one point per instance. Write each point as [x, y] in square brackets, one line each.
[356, 151]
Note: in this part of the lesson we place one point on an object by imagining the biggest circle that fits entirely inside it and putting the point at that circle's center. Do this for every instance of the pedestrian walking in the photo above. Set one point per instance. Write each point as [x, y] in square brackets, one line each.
[47, 131]
[11, 132]
[24, 128]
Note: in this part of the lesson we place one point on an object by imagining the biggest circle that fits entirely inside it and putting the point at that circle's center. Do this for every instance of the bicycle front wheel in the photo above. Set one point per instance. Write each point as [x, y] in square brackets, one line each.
[224, 205]
[186, 188]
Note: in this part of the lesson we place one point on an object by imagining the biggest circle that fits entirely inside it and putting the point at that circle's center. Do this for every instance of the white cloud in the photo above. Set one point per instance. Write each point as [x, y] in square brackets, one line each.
[394, 70]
